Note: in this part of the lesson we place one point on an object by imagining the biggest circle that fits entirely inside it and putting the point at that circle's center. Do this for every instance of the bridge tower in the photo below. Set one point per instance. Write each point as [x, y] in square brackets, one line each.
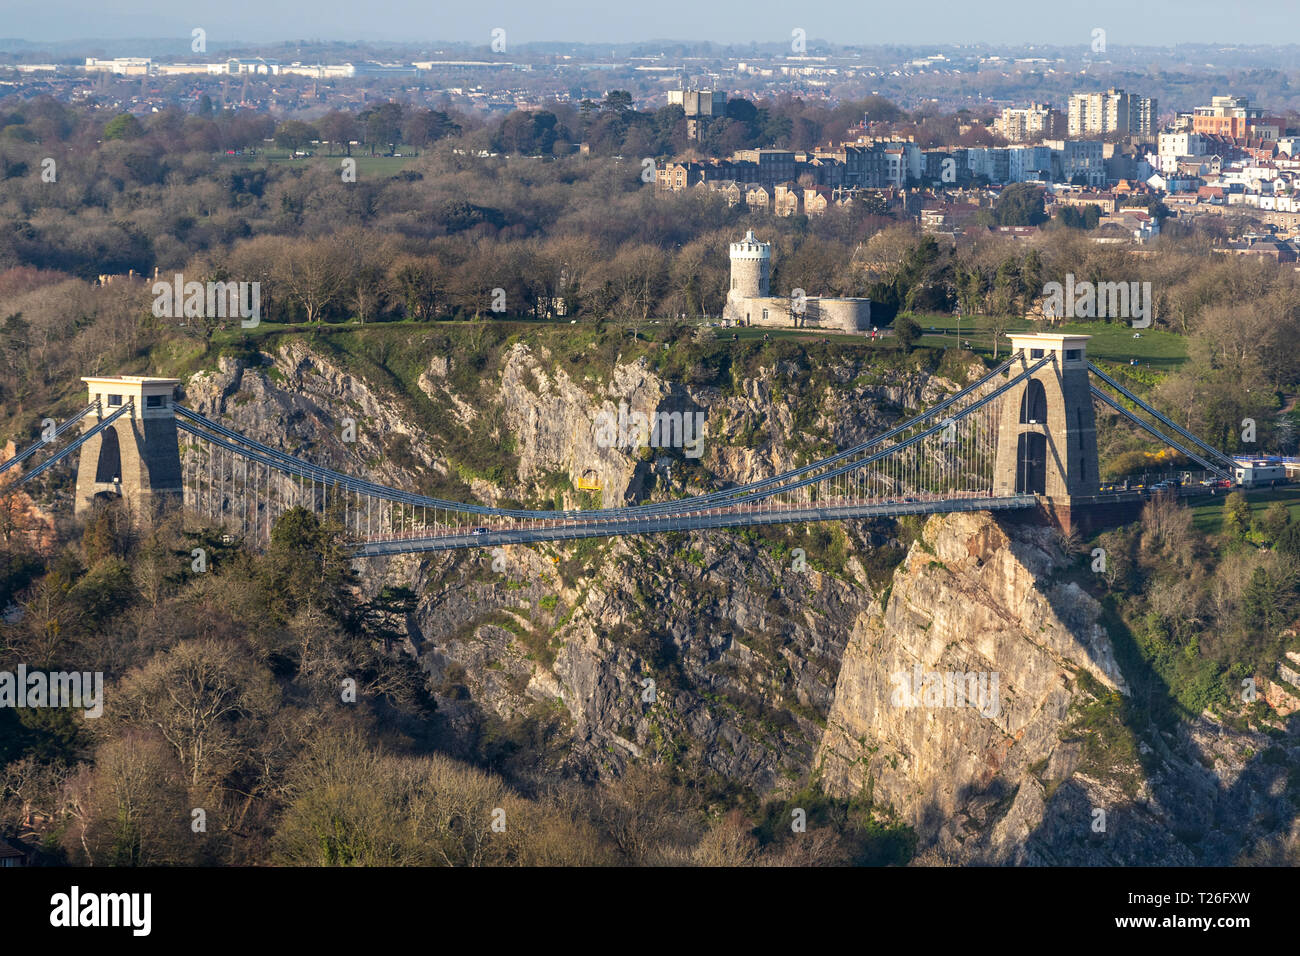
[137, 458]
[1047, 436]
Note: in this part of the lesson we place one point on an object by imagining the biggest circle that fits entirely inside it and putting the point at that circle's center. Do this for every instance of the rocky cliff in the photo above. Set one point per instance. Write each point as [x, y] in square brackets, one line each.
[713, 651]
[983, 702]
[962, 678]
[959, 683]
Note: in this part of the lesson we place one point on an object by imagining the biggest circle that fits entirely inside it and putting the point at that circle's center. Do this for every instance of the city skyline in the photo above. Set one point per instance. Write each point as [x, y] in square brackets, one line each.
[943, 22]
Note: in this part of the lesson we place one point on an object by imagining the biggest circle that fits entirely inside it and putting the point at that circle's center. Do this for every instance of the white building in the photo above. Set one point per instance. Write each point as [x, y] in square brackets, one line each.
[122, 65]
[1029, 163]
[1175, 146]
[903, 161]
[1113, 111]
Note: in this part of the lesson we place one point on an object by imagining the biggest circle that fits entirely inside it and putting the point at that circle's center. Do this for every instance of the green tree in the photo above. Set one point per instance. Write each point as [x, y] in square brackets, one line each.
[308, 565]
[1273, 521]
[1288, 542]
[1020, 204]
[218, 553]
[293, 135]
[386, 614]
[123, 126]
[907, 332]
[1236, 516]
[106, 591]
[108, 532]
[620, 101]
[1267, 601]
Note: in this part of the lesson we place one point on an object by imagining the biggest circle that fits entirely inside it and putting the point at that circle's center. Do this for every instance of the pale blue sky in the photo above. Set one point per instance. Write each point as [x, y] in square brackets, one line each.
[1144, 22]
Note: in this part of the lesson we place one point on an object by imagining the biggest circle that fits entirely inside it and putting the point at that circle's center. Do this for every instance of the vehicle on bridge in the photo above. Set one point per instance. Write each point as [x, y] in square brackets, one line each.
[1259, 474]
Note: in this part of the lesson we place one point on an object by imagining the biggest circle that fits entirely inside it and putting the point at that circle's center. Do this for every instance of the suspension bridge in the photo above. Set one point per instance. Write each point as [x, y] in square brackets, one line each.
[1021, 437]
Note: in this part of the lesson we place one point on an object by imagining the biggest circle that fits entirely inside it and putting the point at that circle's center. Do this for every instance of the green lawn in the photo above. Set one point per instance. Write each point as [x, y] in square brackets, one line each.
[1207, 513]
[1111, 342]
[757, 332]
[235, 333]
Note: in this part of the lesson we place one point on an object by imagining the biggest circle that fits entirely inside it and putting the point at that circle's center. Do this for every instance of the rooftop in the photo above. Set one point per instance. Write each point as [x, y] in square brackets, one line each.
[1046, 339]
[131, 379]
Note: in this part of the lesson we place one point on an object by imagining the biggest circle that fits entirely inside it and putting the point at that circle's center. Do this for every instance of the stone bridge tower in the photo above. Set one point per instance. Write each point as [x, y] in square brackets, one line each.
[137, 457]
[1047, 436]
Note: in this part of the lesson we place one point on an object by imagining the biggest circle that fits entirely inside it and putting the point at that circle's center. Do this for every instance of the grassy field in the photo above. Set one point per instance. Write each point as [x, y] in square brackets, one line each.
[805, 335]
[1156, 351]
[1207, 513]
[1111, 342]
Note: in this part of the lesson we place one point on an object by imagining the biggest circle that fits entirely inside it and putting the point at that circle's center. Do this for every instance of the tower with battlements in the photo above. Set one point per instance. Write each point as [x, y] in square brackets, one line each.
[750, 302]
[751, 274]
[137, 457]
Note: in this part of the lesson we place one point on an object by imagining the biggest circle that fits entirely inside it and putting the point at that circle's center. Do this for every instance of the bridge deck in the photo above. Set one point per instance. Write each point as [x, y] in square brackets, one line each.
[716, 518]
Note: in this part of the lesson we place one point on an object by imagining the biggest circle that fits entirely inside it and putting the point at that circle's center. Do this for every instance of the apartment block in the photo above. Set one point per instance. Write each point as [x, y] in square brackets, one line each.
[1173, 146]
[1233, 116]
[1030, 124]
[1112, 111]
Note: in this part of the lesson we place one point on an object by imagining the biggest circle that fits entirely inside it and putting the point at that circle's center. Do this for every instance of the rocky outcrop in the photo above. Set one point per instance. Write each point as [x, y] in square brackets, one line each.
[554, 419]
[983, 703]
[698, 650]
[963, 678]
[300, 402]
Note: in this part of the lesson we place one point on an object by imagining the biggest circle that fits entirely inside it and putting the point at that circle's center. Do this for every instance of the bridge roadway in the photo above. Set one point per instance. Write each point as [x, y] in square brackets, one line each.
[756, 513]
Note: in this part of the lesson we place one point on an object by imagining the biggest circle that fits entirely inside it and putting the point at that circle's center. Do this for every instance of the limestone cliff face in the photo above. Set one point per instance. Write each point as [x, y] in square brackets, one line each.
[1032, 764]
[743, 651]
[552, 418]
[749, 433]
[711, 651]
[298, 402]
[968, 600]
[693, 650]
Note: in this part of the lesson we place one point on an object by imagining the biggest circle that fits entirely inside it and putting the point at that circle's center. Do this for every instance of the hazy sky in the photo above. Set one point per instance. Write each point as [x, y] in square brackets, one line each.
[1126, 22]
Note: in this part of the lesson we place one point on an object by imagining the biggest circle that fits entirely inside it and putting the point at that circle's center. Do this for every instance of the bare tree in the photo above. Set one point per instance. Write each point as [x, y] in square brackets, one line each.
[195, 696]
[314, 274]
[131, 809]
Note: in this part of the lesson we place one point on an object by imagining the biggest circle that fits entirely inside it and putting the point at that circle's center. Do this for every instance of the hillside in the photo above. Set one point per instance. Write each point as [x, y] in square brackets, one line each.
[713, 671]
